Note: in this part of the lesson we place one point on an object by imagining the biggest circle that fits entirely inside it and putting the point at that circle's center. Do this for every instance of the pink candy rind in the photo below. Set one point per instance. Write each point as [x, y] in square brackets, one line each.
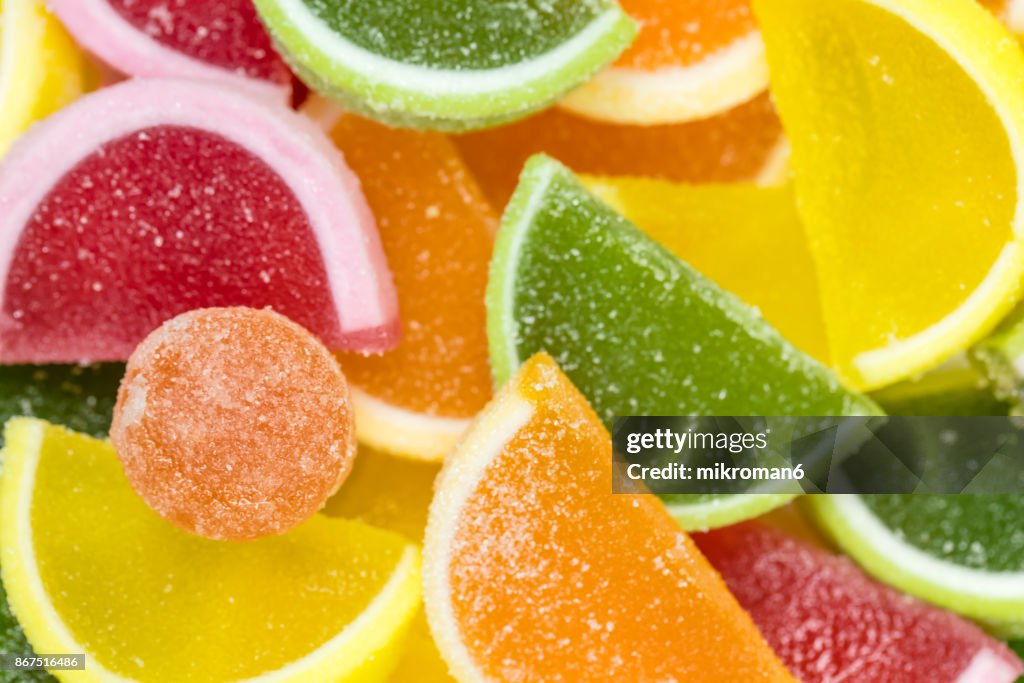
[295, 148]
[98, 28]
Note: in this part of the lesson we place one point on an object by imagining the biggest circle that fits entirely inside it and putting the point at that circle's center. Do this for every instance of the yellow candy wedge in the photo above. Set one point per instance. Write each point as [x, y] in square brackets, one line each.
[41, 70]
[89, 568]
[748, 239]
[395, 493]
[388, 492]
[906, 120]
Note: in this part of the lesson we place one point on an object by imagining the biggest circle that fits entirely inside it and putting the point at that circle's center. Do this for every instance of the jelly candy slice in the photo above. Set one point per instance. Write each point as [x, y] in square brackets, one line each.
[636, 329]
[453, 65]
[885, 171]
[438, 233]
[218, 40]
[691, 59]
[387, 492]
[233, 423]
[151, 198]
[89, 568]
[748, 239]
[962, 552]
[42, 68]
[533, 568]
[742, 144]
[827, 621]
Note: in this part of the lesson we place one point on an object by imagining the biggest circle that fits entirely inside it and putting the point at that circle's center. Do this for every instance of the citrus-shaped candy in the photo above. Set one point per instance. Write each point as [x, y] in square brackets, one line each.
[829, 622]
[453, 65]
[742, 144]
[218, 40]
[438, 233]
[14, 644]
[535, 570]
[637, 330]
[748, 239]
[913, 217]
[41, 70]
[961, 552]
[421, 661]
[1010, 12]
[233, 423]
[394, 493]
[151, 198]
[691, 59]
[89, 568]
[388, 492]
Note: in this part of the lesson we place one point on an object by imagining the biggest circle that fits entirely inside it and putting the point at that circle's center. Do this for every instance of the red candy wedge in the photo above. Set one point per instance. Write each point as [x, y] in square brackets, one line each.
[221, 40]
[156, 197]
[829, 622]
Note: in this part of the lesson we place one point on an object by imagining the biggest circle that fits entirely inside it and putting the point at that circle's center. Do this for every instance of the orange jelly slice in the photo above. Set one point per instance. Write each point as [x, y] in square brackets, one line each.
[741, 144]
[684, 32]
[535, 569]
[437, 231]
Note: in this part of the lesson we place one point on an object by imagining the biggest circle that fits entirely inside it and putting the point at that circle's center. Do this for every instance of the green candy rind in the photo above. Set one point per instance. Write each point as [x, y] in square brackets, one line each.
[411, 96]
[723, 510]
[974, 593]
[1000, 358]
[746, 367]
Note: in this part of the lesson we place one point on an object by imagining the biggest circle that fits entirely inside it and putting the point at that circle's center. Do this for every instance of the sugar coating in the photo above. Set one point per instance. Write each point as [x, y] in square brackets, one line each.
[233, 423]
[153, 224]
[977, 532]
[683, 32]
[728, 147]
[637, 330]
[554, 579]
[830, 622]
[457, 34]
[224, 33]
[437, 232]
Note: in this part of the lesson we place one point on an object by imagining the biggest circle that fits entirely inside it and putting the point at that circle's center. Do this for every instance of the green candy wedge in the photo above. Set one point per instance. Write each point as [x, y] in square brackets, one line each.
[639, 331]
[79, 397]
[452, 65]
[962, 552]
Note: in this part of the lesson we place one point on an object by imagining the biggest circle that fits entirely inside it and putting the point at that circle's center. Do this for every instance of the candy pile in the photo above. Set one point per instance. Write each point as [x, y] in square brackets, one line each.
[293, 255]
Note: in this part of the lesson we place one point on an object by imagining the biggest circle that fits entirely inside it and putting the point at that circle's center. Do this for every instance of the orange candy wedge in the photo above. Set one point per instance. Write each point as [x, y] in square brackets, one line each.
[437, 232]
[743, 144]
[691, 59]
[535, 571]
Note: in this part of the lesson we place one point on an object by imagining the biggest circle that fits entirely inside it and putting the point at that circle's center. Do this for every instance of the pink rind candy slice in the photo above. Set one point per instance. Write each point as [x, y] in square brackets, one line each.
[219, 40]
[155, 197]
[828, 621]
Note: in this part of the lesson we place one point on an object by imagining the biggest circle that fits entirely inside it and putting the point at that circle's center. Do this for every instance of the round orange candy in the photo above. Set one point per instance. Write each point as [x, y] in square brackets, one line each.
[234, 423]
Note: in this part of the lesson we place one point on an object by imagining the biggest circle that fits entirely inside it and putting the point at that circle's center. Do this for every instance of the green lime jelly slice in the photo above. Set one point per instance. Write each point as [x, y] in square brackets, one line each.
[638, 330]
[457, 34]
[976, 531]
